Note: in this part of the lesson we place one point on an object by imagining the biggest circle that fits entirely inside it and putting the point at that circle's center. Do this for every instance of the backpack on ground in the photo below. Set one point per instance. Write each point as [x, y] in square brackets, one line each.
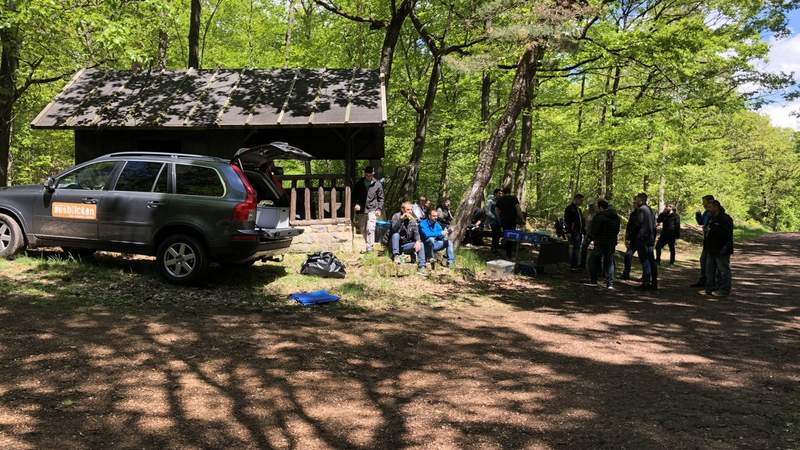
[323, 264]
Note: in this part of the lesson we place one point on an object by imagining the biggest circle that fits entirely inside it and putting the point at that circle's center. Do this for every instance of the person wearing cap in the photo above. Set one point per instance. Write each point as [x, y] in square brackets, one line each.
[368, 195]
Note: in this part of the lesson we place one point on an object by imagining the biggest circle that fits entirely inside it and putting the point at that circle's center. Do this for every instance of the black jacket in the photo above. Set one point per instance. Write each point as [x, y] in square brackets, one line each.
[642, 226]
[408, 229]
[445, 216]
[370, 198]
[605, 228]
[719, 240]
[573, 220]
[670, 225]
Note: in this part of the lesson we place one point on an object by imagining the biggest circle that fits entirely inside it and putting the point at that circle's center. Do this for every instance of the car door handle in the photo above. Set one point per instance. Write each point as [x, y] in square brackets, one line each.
[153, 204]
[89, 200]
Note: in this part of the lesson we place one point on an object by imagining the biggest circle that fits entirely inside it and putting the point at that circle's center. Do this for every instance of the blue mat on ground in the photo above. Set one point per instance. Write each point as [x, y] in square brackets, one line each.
[314, 297]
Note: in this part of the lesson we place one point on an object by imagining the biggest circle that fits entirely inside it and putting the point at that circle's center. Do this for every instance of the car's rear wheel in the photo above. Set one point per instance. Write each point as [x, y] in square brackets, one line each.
[182, 259]
[11, 239]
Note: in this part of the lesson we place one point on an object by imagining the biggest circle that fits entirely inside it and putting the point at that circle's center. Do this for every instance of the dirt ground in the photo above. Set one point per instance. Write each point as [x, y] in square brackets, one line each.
[543, 364]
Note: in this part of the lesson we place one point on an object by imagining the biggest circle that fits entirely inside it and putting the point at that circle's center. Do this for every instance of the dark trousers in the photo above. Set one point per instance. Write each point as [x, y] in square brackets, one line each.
[718, 273]
[602, 256]
[665, 241]
[509, 244]
[628, 262]
[575, 241]
[648, 261]
[497, 233]
[703, 257]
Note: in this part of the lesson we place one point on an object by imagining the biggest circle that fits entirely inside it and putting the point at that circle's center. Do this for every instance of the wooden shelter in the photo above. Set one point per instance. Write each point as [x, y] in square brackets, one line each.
[333, 114]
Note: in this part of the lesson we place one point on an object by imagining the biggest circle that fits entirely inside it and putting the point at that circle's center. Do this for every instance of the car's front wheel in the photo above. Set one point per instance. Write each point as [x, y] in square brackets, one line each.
[182, 259]
[11, 239]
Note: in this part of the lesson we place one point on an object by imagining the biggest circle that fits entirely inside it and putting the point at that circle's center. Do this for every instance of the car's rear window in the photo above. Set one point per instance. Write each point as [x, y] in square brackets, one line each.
[138, 176]
[198, 180]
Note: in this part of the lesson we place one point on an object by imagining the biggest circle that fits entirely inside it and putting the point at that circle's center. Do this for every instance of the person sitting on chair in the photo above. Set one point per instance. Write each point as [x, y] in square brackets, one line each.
[435, 238]
[405, 237]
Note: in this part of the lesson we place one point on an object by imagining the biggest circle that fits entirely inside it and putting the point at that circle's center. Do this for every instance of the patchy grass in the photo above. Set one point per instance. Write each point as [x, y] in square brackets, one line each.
[747, 232]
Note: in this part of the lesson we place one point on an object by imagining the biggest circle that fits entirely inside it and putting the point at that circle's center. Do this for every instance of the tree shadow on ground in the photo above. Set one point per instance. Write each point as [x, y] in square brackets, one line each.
[573, 371]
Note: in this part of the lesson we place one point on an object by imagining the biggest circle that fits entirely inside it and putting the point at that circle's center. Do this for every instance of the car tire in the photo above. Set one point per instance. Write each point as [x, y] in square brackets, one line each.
[79, 254]
[182, 259]
[11, 239]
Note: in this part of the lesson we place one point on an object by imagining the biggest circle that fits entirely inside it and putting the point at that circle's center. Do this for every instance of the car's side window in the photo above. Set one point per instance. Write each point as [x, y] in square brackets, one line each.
[93, 177]
[198, 180]
[162, 183]
[138, 176]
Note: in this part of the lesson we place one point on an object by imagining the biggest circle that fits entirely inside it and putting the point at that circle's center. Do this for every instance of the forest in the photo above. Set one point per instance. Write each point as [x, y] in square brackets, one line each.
[549, 98]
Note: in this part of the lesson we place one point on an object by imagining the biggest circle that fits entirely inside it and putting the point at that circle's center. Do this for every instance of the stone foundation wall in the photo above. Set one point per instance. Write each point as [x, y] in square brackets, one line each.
[332, 238]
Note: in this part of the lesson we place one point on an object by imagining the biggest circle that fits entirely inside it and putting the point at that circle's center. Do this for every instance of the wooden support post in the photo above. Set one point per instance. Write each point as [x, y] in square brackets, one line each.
[348, 211]
[320, 202]
[333, 202]
[293, 202]
[307, 198]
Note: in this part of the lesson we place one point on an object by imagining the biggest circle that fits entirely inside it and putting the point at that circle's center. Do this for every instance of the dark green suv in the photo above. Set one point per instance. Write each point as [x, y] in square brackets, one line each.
[187, 210]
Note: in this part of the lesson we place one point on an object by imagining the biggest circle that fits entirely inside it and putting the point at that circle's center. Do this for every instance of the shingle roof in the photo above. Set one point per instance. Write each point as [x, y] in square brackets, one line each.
[217, 98]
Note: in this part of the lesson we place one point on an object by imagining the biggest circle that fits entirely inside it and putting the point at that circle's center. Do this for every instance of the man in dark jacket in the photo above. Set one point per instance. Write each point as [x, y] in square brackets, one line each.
[718, 247]
[643, 238]
[510, 214]
[573, 222]
[670, 231]
[368, 195]
[604, 233]
[702, 219]
[405, 237]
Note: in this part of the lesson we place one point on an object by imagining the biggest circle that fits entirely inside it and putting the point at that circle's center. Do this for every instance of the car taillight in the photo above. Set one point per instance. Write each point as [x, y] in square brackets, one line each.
[246, 210]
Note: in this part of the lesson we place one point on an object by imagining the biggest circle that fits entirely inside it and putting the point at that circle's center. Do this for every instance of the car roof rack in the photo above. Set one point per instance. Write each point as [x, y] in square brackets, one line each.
[161, 154]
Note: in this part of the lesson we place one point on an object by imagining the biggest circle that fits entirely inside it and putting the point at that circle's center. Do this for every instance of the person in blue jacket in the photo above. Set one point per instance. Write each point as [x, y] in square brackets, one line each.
[435, 238]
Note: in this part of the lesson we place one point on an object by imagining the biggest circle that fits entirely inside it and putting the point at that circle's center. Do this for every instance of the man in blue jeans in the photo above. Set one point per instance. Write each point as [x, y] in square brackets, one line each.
[405, 237]
[435, 238]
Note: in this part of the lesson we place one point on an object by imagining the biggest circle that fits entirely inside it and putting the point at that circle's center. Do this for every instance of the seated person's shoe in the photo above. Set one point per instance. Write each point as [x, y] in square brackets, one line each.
[422, 272]
[398, 259]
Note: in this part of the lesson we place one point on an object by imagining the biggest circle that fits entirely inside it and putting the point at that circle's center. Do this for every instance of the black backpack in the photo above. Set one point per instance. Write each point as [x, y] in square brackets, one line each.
[323, 264]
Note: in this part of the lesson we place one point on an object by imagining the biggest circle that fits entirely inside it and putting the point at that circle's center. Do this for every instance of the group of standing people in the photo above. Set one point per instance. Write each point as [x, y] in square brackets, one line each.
[602, 226]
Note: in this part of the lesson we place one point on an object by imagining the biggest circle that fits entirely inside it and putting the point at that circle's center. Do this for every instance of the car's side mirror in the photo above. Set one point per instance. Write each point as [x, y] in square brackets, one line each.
[50, 184]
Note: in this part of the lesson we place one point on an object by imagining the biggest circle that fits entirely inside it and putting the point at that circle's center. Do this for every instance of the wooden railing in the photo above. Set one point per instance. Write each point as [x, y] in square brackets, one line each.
[318, 199]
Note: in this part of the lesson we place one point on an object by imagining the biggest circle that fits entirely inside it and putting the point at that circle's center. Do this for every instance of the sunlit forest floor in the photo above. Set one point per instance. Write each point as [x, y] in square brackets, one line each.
[100, 354]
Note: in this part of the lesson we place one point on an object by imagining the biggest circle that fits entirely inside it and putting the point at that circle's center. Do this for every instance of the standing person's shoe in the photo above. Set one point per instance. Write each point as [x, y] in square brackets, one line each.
[700, 283]
[705, 292]
[610, 287]
[625, 276]
[721, 294]
[645, 287]
[591, 284]
[422, 272]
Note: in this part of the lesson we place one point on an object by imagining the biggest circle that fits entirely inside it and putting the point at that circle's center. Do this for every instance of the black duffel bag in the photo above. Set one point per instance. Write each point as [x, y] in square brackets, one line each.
[323, 264]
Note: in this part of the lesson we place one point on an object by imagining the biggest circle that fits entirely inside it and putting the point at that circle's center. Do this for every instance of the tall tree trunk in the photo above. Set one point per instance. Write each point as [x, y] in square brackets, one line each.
[662, 179]
[444, 184]
[608, 175]
[525, 148]
[163, 46]
[526, 69]
[421, 130]
[511, 156]
[577, 160]
[393, 30]
[9, 64]
[194, 35]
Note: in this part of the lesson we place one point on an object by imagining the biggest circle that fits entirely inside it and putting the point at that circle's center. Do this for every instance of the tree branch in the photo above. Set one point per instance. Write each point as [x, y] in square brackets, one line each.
[374, 24]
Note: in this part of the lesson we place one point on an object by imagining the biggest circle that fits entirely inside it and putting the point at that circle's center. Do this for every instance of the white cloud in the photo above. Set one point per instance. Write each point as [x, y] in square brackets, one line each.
[784, 56]
[781, 114]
